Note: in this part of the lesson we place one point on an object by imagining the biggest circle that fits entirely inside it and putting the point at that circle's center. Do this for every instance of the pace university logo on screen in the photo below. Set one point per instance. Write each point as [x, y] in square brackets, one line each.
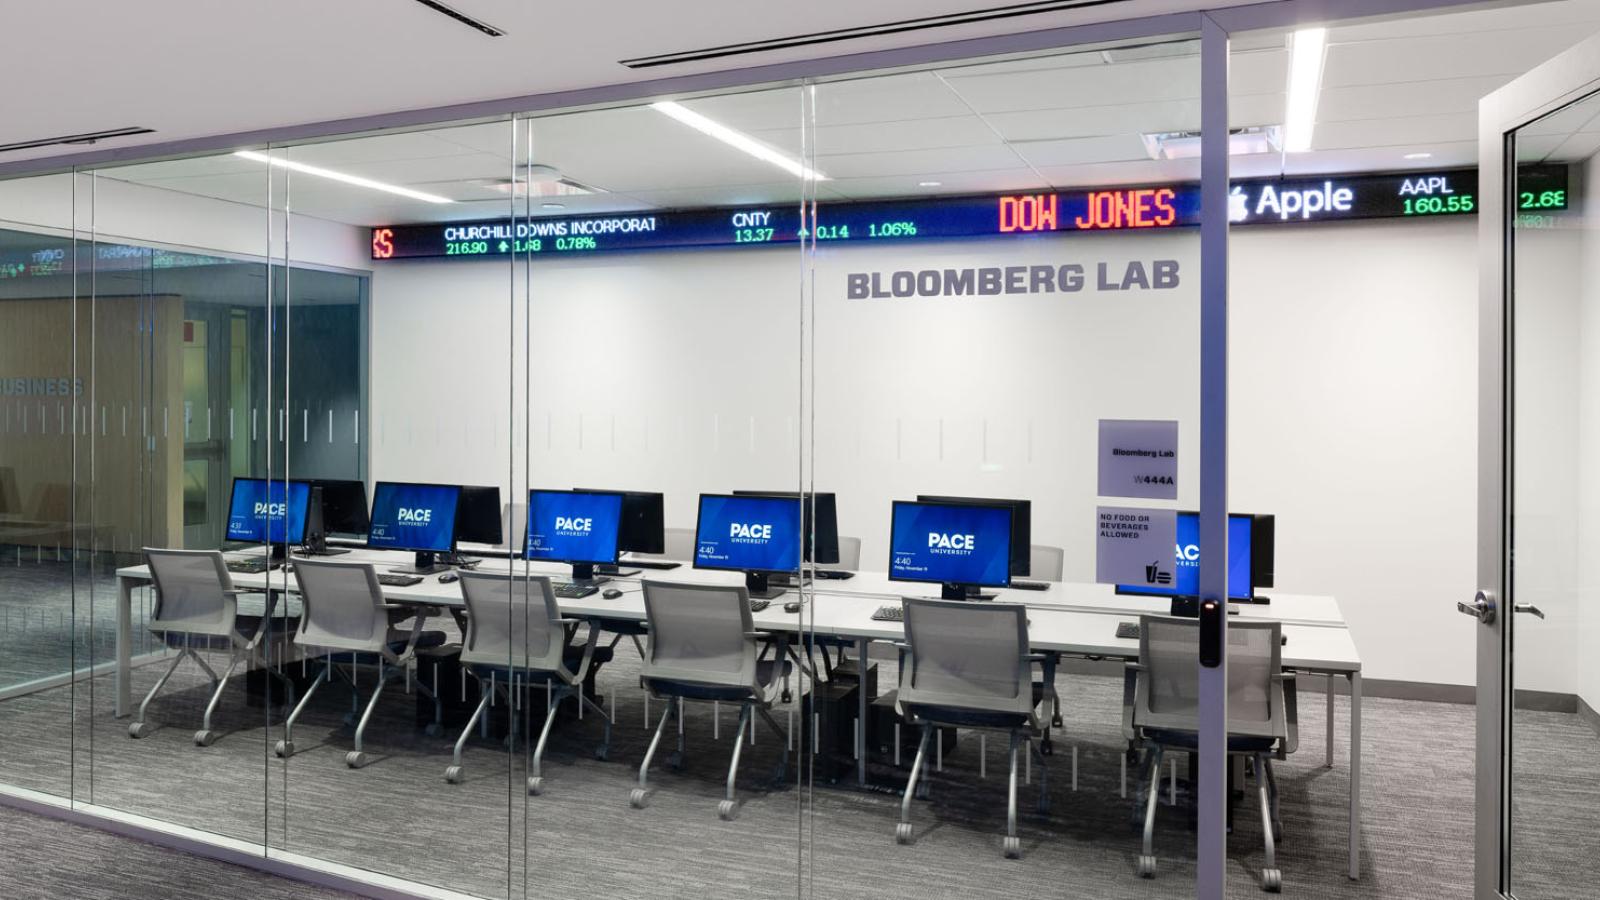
[266, 511]
[753, 533]
[950, 544]
[567, 526]
[414, 516]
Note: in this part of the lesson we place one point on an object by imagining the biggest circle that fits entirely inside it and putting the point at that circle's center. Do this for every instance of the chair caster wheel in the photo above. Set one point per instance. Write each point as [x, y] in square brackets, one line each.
[283, 749]
[535, 786]
[138, 730]
[433, 730]
[452, 775]
[204, 738]
[356, 759]
[1147, 867]
[1271, 880]
[727, 810]
[639, 798]
[602, 752]
[1012, 847]
[903, 833]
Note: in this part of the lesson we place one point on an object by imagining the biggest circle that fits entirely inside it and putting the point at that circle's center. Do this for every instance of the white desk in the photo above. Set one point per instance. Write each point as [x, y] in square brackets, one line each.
[1069, 619]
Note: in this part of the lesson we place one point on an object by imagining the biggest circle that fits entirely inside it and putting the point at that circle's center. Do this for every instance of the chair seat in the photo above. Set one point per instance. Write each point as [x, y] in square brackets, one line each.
[1189, 740]
[962, 717]
[768, 673]
[397, 645]
[572, 658]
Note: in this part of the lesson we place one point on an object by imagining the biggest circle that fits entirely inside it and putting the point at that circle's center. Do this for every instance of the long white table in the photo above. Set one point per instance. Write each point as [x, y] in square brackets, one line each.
[1069, 619]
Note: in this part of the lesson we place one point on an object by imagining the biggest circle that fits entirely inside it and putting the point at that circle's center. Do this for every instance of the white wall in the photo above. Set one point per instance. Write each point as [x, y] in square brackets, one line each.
[1354, 394]
[1588, 478]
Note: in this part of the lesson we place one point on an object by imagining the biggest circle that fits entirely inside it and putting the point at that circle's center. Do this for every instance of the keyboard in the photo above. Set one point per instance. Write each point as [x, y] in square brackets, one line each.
[1031, 585]
[253, 565]
[574, 590]
[759, 605]
[389, 579]
[648, 564]
[890, 614]
[1128, 630]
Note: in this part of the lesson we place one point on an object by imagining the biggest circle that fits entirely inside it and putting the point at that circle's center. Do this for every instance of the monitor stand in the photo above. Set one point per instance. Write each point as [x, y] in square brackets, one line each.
[760, 586]
[586, 573]
[426, 564]
[962, 592]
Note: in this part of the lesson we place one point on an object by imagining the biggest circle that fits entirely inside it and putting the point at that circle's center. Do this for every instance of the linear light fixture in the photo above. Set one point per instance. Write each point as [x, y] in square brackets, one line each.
[736, 139]
[1305, 86]
[331, 175]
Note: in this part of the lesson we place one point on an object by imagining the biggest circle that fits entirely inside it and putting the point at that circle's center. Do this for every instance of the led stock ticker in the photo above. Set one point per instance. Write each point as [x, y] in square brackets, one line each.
[1275, 201]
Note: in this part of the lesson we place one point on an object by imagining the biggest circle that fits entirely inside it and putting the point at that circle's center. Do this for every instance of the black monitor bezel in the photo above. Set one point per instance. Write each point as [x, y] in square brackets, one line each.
[497, 518]
[1021, 563]
[699, 511]
[616, 552]
[894, 508]
[377, 486]
[288, 540]
[806, 517]
[366, 509]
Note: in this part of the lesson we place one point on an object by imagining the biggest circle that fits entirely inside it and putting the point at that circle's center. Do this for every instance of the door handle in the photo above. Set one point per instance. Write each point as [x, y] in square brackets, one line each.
[1528, 608]
[1481, 607]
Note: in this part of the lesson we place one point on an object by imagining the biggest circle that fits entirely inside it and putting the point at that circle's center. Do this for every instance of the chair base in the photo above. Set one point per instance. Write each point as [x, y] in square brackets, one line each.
[639, 798]
[1147, 866]
[357, 759]
[904, 833]
[283, 749]
[535, 786]
[1012, 847]
[140, 729]
[204, 738]
[1271, 880]
[727, 810]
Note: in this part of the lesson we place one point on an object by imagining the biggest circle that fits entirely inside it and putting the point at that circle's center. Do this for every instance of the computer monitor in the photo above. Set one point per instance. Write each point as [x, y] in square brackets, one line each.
[1242, 568]
[264, 511]
[344, 506]
[577, 527]
[416, 517]
[960, 546]
[821, 510]
[478, 516]
[756, 535]
[1021, 525]
[643, 525]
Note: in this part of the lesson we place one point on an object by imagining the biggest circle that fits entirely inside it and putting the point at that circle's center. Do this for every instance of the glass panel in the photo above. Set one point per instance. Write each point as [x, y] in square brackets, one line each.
[42, 573]
[1556, 409]
[1005, 257]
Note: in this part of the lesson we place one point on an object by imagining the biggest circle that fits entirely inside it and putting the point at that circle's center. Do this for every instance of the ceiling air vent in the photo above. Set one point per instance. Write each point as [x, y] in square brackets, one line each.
[75, 139]
[462, 17]
[1010, 11]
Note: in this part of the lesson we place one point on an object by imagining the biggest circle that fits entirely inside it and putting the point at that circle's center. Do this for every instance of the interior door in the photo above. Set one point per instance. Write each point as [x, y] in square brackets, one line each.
[1538, 603]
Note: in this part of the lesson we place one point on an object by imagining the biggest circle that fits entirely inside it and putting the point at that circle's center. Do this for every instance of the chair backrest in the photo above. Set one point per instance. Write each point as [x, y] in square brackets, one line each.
[699, 634]
[342, 606]
[970, 656]
[1046, 563]
[1168, 696]
[512, 621]
[191, 588]
[849, 555]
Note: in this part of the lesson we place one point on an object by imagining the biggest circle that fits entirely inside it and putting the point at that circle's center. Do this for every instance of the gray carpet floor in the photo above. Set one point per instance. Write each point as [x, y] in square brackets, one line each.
[581, 838]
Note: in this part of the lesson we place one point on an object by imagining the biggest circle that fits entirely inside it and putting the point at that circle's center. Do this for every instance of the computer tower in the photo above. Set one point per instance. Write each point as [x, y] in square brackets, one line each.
[888, 732]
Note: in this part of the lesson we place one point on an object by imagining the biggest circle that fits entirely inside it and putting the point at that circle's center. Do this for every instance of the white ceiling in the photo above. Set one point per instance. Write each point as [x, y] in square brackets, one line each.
[1389, 89]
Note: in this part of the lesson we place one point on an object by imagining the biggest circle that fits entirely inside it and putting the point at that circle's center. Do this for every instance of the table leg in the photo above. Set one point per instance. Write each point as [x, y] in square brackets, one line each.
[861, 713]
[1355, 775]
[1329, 763]
[124, 680]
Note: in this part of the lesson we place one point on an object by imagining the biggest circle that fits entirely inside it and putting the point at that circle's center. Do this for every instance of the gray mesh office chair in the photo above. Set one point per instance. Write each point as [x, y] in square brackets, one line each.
[516, 636]
[345, 623]
[197, 608]
[967, 665]
[1046, 563]
[1164, 713]
[703, 646]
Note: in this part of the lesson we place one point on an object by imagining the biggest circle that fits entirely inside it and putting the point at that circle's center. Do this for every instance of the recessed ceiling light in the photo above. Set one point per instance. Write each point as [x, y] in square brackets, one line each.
[1305, 86]
[1418, 156]
[736, 139]
[552, 206]
[331, 175]
[929, 183]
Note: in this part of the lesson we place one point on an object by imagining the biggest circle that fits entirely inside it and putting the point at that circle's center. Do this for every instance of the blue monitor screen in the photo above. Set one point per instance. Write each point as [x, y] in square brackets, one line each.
[413, 516]
[950, 544]
[568, 526]
[751, 534]
[268, 512]
[1186, 569]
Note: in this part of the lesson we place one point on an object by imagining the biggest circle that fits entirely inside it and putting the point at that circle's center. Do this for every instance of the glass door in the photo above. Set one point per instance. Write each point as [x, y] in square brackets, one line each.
[1538, 606]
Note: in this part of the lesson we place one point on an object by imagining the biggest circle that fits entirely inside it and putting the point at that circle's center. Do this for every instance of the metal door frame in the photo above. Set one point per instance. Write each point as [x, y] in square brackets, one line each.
[1556, 83]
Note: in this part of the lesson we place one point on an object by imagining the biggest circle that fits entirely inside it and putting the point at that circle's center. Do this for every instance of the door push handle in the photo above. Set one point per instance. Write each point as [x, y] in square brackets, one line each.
[1528, 608]
[1481, 607]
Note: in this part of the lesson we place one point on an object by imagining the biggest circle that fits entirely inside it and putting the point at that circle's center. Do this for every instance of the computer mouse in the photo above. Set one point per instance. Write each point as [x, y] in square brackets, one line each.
[793, 606]
[448, 577]
[611, 593]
